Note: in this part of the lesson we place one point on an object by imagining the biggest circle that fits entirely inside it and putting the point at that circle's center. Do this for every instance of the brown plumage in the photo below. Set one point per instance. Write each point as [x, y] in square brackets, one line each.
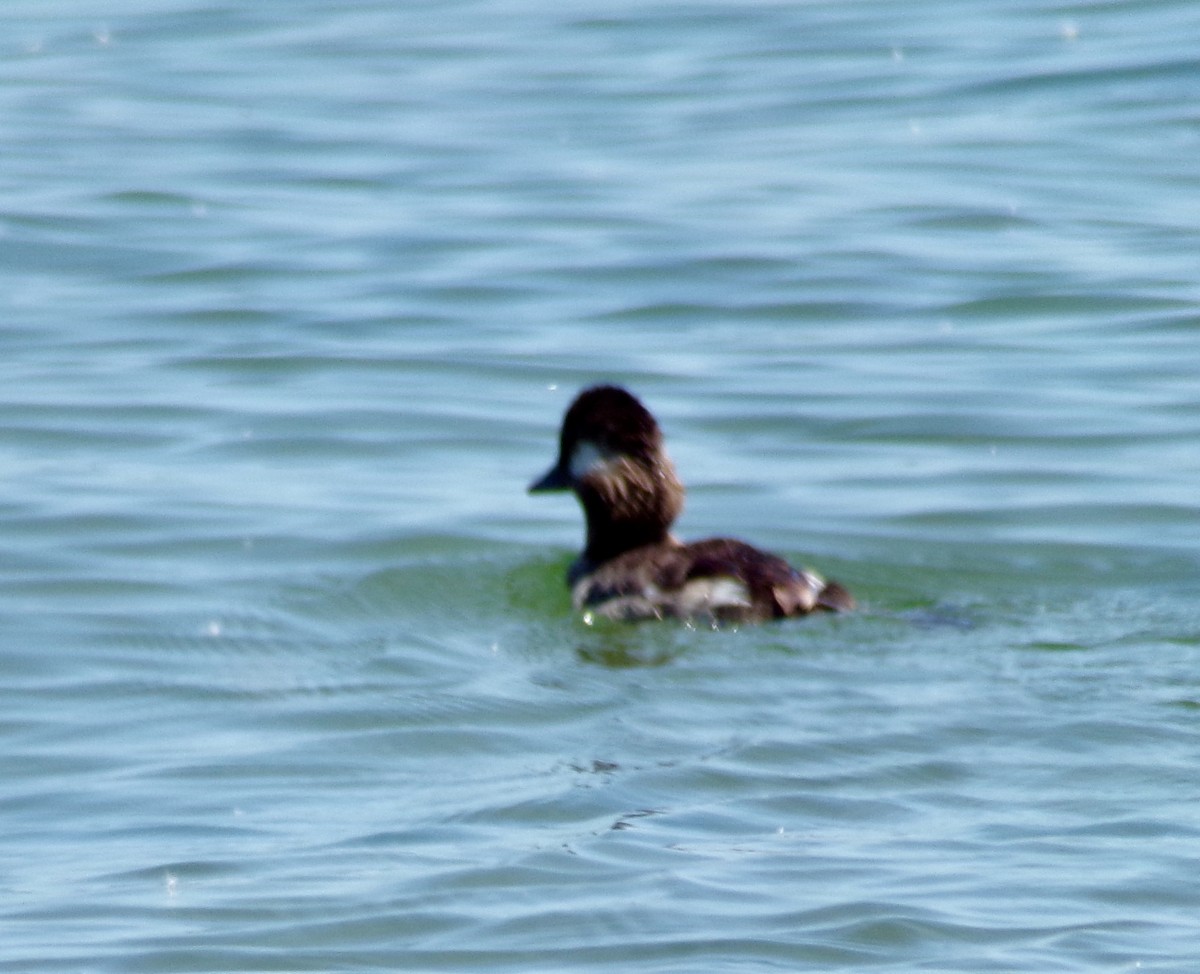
[611, 456]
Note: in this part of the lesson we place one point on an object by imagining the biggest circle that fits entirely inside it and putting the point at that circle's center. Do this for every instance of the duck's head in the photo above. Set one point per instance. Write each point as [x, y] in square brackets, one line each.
[611, 455]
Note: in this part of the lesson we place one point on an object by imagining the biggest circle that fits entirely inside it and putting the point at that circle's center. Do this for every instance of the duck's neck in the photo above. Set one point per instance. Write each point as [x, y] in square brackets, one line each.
[632, 508]
[607, 538]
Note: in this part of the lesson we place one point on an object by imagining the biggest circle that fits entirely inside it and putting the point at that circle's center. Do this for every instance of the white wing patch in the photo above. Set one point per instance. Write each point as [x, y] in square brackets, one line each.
[699, 598]
[703, 596]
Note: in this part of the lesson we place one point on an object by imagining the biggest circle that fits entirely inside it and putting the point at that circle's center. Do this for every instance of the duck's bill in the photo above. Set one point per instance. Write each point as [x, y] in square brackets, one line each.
[554, 479]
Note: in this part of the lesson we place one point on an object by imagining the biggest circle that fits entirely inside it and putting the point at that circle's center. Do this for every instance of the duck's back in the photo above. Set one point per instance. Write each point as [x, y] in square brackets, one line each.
[720, 580]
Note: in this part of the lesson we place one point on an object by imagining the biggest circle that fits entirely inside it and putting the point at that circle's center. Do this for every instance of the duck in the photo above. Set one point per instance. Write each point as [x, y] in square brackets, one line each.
[611, 456]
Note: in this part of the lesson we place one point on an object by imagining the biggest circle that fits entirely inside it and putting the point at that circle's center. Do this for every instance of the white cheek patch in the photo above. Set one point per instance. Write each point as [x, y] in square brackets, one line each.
[586, 458]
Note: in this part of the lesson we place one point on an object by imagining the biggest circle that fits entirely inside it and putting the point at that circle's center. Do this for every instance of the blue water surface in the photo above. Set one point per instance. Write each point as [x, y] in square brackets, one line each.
[294, 296]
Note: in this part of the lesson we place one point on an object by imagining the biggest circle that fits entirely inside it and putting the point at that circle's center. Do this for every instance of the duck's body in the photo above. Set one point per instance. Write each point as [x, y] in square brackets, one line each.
[611, 456]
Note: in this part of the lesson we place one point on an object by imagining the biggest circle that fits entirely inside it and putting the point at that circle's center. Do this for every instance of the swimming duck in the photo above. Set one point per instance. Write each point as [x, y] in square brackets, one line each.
[611, 456]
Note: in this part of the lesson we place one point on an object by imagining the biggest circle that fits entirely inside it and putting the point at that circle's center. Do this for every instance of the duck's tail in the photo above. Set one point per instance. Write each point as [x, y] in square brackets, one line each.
[835, 598]
[807, 592]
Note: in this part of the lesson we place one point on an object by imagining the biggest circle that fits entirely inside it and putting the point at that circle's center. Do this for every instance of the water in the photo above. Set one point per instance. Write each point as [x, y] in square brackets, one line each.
[294, 296]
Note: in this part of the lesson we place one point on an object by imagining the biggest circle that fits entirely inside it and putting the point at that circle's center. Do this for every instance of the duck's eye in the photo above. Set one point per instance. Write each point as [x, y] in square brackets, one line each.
[587, 458]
